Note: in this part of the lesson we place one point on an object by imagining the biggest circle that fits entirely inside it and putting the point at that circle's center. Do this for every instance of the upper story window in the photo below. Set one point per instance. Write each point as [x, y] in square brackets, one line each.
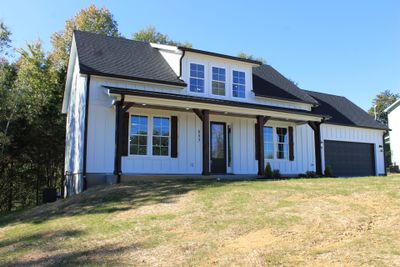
[218, 81]
[196, 78]
[239, 84]
[138, 138]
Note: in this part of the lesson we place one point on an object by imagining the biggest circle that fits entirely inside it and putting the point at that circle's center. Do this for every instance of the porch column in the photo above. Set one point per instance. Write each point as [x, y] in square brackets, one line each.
[261, 121]
[204, 116]
[120, 108]
[118, 123]
[316, 126]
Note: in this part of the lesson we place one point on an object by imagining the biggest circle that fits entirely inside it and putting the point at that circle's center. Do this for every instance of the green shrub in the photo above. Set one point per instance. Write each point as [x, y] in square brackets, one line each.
[276, 174]
[268, 171]
[328, 171]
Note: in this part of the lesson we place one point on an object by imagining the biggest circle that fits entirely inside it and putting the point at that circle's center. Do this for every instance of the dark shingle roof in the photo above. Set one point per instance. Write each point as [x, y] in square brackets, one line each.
[268, 82]
[343, 111]
[122, 58]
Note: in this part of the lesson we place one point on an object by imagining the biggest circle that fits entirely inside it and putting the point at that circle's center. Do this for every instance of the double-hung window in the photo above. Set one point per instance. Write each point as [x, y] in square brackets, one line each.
[276, 143]
[160, 136]
[196, 78]
[239, 84]
[268, 142]
[282, 143]
[138, 138]
[218, 81]
[155, 142]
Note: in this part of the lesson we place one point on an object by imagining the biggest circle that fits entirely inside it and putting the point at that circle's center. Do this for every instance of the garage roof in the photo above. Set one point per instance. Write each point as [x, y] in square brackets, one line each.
[343, 111]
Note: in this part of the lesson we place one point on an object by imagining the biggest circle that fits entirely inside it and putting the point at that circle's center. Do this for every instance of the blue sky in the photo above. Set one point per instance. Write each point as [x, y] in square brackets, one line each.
[349, 48]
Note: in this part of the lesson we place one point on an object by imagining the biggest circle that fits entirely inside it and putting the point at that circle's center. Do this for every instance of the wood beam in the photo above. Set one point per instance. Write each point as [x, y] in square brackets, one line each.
[206, 142]
[127, 106]
[261, 121]
[199, 113]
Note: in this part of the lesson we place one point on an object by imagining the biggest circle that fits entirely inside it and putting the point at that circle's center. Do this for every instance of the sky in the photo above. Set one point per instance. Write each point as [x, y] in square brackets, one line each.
[348, 48]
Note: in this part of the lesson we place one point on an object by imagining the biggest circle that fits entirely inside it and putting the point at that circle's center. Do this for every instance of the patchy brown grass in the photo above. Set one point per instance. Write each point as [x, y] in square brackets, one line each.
[298, 222]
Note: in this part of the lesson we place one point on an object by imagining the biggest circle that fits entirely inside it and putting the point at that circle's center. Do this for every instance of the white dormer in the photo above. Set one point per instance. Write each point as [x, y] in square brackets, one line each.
[216, 76]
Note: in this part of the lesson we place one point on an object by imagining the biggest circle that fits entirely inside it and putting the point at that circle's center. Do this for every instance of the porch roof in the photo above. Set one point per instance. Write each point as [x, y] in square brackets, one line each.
[238, 107]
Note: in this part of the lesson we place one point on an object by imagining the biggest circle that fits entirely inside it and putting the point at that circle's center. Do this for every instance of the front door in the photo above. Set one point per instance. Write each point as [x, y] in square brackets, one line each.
[218, 147]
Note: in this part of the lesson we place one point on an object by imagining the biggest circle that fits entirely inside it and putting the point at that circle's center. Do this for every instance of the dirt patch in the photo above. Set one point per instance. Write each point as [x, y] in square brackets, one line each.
[250, 241]
[173, 205]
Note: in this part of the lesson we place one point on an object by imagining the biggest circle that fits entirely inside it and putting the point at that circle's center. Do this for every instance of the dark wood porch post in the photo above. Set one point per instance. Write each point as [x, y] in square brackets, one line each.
[316, 126]
[120, 108]
[206, 142]
[261, 121]
[204, 116]
[118, 123]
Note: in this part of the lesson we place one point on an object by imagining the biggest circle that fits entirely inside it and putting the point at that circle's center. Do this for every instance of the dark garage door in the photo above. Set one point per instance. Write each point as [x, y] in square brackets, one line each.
[350, 159]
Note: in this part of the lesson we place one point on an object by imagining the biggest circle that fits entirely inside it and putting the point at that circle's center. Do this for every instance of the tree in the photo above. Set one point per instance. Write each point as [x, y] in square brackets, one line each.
[32, 128]
[151, 35]
[4, 37]
[36, 79]
[380, 103]
[249, 56]
[91, 19]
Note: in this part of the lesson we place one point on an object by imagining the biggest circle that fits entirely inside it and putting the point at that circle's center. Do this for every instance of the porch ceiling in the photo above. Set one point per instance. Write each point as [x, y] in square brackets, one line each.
[215, 106]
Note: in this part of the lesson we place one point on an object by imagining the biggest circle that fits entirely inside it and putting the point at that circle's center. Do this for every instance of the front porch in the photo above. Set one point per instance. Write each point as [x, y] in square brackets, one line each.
[210, 138]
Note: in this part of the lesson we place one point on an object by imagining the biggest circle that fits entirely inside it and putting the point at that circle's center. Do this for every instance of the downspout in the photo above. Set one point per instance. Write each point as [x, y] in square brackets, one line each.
[180, 63]
[86, 132]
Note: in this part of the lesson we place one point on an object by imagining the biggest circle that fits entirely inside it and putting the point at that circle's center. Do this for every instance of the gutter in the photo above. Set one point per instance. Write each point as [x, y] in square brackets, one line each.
[85, 137]
[131, 78]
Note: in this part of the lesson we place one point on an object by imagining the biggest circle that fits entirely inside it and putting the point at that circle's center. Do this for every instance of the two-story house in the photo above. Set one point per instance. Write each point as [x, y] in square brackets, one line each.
[141, 109]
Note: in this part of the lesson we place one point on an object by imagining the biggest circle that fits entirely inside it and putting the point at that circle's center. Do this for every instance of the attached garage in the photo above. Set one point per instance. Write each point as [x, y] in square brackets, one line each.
[350, 158]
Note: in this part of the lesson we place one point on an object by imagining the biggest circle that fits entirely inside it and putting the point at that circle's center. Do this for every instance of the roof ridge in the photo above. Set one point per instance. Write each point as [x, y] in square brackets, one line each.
[122, 38]
[323, 93]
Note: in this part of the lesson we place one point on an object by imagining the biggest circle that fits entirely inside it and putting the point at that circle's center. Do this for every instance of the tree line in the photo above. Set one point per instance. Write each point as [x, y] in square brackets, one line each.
[32, 128]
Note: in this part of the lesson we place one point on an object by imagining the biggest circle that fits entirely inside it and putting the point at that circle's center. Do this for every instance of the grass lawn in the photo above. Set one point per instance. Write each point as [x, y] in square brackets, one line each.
[294, 222]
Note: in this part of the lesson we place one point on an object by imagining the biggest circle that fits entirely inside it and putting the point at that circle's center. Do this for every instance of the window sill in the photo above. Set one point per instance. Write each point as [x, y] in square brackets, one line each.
[147, 157]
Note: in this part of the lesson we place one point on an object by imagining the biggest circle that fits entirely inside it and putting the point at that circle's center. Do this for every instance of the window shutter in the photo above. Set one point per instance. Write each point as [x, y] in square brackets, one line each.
[174, 137]
[291, 144]
[257, 140]
[125, 134]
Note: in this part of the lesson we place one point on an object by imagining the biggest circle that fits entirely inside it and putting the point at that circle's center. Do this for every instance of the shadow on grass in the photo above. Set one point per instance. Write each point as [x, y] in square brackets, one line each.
[107, 255]
[110, 199]
[28, 241]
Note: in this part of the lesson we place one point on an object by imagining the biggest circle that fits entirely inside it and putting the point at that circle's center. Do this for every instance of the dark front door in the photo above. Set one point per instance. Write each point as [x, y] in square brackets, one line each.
[350, 159]
[218, 147]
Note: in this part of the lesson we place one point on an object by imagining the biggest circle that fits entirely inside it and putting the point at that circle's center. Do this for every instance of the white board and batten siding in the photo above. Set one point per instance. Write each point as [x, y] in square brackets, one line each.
[75, 124]
[394, 125]
[304, 152]
[358, 135]
[189, 160]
